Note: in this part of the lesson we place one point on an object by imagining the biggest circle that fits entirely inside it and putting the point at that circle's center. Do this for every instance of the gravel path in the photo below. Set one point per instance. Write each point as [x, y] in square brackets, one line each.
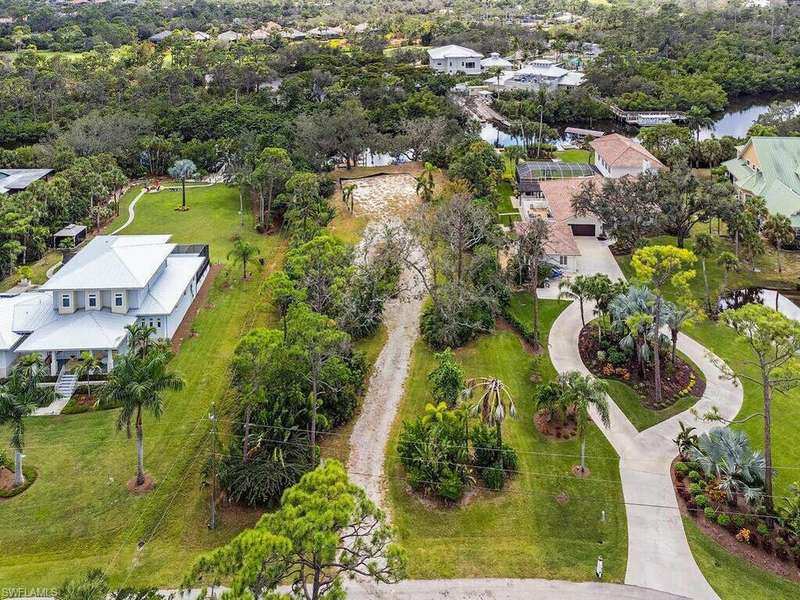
[385, 390]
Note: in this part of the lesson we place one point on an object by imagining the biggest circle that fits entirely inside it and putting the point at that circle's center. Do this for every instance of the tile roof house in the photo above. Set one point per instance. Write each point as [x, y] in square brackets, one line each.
[553, 202]
[16, 180]
[113, 282]
[454, 59]
[768, 167]
[617, 156]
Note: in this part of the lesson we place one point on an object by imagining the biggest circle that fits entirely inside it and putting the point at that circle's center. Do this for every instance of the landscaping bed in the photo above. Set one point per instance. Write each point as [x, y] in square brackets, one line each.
[7, 489]
[679, 380]
[734, 525]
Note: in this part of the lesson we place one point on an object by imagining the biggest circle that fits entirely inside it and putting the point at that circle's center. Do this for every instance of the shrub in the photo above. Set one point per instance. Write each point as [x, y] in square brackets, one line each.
[454, 330]
[493, 477]
[710, 513]
[681, 470]
[695, 489]
[739, 521]
[743, 535]
[724, 520]
[617, 357]
[451, 486]
[762, 530]
[695, 476]
[701, 500]
[601, 356]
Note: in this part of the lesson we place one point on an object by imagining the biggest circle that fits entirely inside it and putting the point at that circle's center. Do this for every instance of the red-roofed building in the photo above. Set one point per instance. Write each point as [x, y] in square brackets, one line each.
[617, 156]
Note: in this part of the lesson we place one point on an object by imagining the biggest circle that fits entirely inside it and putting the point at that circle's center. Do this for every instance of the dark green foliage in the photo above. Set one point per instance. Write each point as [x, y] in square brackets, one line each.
[723, 519]
[709, 513]
[493, 466]
[695, 476]
[701, 500]
[695, 489]
[435, 455]
[447, 379]
[682, 468]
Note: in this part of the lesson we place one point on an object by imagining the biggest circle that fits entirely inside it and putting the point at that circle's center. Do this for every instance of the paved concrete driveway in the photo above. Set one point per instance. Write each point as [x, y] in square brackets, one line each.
[597, 258]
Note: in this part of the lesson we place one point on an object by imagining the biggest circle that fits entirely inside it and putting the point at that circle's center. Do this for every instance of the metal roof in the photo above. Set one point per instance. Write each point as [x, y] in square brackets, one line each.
[113, 262]
[70, 230]
[19, 179]
[453, 51]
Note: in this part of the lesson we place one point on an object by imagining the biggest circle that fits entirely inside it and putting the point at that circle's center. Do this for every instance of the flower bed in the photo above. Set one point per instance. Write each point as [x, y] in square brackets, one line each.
[733, 524]
[604, 360]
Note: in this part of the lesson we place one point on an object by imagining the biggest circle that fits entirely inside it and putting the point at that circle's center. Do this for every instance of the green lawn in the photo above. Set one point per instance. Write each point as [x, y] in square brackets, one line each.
[78, 514]
[724, 571]
[574, 155]
[522, 531]
[641, 417]
[730, 576]
[39, 269]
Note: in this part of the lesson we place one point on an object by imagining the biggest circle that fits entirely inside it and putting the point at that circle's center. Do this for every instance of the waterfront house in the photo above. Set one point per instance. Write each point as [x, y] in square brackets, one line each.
[454, 59]
[617, 156]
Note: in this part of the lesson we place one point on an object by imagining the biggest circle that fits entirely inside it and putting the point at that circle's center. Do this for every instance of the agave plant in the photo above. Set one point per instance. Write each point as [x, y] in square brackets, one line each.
[726, 454]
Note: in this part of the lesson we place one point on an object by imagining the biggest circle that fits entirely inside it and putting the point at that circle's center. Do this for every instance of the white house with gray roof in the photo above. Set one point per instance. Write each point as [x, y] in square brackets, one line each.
[113, 282]
[454, 59]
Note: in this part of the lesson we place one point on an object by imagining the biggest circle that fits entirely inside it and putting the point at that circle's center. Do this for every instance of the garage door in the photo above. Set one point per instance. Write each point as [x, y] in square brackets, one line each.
[582, 230]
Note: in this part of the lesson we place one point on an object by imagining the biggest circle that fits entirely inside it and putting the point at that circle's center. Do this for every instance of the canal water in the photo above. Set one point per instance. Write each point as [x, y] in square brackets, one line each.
[735, 121]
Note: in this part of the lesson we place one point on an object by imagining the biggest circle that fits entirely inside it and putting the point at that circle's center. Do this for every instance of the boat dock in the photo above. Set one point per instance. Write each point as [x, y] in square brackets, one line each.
[647, 117]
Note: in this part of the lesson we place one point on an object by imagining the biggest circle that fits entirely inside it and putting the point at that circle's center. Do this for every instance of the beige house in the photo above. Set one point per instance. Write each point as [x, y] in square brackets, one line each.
[616, 156]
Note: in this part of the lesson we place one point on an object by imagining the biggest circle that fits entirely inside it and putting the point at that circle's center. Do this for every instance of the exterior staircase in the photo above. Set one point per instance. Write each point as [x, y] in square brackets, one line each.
[64, 388]
[66, 384]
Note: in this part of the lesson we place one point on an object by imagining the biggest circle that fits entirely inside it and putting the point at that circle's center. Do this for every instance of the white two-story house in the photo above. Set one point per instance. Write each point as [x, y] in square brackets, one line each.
[454, 59]
[113, 282]
[617, 156]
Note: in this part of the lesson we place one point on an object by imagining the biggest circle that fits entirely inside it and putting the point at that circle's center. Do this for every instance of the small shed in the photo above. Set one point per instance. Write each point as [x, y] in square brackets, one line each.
[76, 233]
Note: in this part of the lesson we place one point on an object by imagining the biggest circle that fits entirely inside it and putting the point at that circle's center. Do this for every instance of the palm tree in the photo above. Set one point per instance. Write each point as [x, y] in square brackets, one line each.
[183, 169]
[347, 195]
[726, 454]
[675, 318]
[425, 182]
[779, 231]
[578, 288]
[243, 252]
[704, 247]
[136, 384]
[729, 262]
[583, 392]
[15, 405]
[140, 337]
[32, 371]
[493, 403]
[515, 154]
[696, 118]
[88, 363]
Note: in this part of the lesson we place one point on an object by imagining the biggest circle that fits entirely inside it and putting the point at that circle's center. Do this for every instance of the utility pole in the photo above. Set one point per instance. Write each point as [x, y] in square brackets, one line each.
[212, 524]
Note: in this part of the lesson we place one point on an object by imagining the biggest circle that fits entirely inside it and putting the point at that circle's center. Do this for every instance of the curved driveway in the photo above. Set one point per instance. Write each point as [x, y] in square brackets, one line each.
[659, 556]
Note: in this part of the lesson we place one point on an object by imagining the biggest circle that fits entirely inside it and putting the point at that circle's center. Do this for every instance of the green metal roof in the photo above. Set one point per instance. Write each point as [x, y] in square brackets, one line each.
[778, 178]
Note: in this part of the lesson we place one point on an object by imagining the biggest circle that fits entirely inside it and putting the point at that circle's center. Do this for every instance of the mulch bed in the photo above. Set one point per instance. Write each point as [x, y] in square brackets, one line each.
[185, 328]
[553, 428]
[751, 552]
[6, 479]
[148, 486]
[677, 380]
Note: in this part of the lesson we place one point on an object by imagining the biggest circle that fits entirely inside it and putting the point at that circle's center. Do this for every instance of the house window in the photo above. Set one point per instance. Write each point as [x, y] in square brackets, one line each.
[92, 301]
[158, 323]
[117, 299]
[470, 65]
[65, 300]
[562, 260]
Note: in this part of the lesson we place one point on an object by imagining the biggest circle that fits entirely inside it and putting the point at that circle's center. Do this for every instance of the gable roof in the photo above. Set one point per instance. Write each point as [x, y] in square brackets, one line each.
[113, 262]
[622, 152]
[83, 330]
[453, 51]
[18, 314]
[777, 177]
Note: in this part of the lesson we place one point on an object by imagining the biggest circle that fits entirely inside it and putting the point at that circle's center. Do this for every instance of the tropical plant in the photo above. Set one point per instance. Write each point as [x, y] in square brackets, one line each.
[32, 371]
[92, 585]
[447, 379]
[272, 170]
[576, 288]
[686, 439]
[137, 383]
[729, 263]
[790, 509]
[780, 232]
[140, 337]
[16, 404]
[533, 238]
[243, 252]
[774, 341]
[676, 317]
[348, 192]
[659, 266]
[183, 169]
[705, 246]
[492, 404]
[580, 393]
[549, 398]
[284, 293]
[726, 455]
[88, 364]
